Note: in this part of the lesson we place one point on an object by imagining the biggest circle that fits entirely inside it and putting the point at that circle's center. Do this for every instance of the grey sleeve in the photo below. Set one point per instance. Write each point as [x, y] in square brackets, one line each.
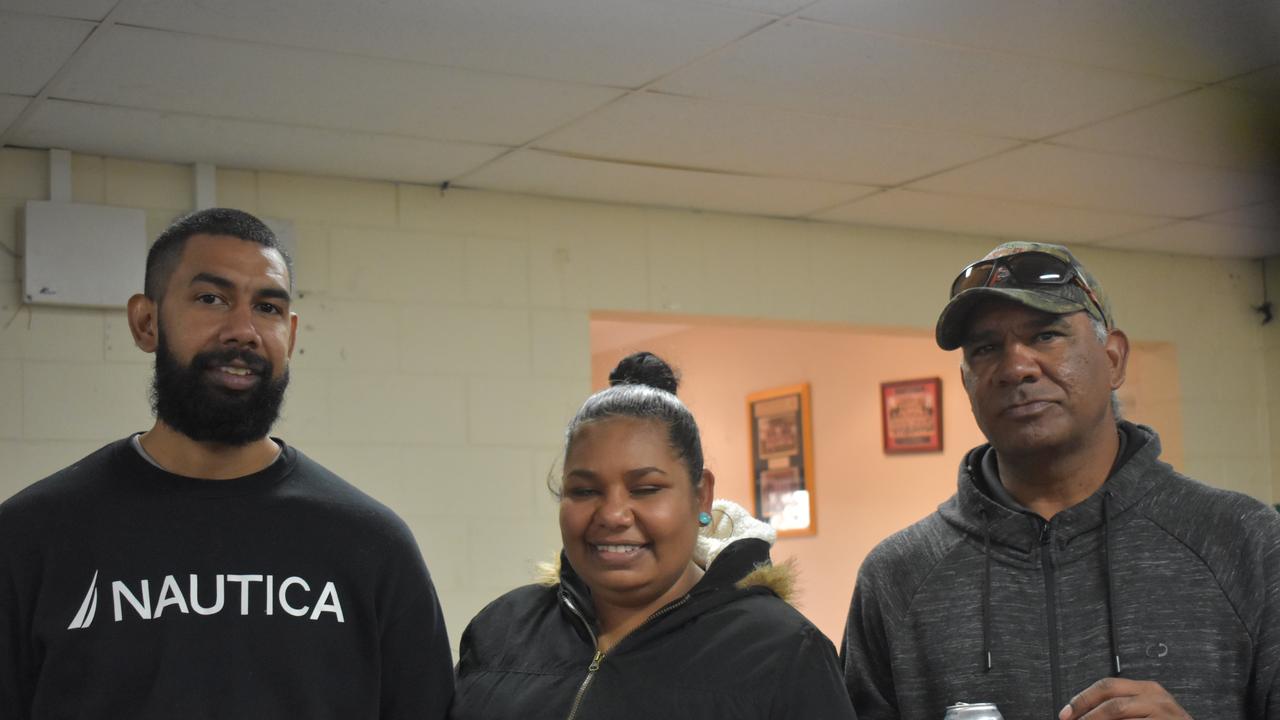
[1264, 700]
[864, 654]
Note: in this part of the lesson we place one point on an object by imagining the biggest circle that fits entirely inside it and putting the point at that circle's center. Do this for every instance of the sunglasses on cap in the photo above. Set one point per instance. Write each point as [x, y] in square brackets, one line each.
[1030, 269]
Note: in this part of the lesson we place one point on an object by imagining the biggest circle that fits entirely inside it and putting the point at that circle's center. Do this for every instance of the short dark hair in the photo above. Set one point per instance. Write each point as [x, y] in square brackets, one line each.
[643, 386]
[166, 251]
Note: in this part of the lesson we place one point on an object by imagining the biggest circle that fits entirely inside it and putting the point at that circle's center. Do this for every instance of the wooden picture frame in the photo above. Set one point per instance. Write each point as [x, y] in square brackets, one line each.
[780, 432]
[911, 415]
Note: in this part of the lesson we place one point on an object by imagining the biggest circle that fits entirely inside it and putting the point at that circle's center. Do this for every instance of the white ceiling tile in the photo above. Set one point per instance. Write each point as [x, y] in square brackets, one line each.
[1213, 126]
[1201, 238]
[1087, 180]
[1200, 40]
[168, 71]
[827, 69]
[706, 134]
[607, 42]
[1264, 83]
[542, 173]
[1261, 215]
[144, 134]
[984, 216]
[33, 48]
[771, 7]
[11, 106]
[81, 9]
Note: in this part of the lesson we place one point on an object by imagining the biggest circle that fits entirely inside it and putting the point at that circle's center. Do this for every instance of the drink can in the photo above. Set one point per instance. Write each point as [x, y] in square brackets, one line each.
[973, 711]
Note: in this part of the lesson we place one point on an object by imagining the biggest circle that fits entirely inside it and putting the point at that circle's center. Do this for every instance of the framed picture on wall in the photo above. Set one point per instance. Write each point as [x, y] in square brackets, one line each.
[781, 432]
[911, 415]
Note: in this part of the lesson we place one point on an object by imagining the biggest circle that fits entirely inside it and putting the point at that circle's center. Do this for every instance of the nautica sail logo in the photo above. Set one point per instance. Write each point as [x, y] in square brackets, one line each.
[258, 593]
[84, 617]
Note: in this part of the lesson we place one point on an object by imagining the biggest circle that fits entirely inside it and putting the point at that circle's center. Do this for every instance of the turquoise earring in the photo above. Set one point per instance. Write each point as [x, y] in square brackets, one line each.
[704, 519]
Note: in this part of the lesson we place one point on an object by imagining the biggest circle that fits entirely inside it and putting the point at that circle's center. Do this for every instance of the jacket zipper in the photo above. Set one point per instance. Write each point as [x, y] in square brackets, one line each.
[586, 683]
[599, 656]
[1051, 609]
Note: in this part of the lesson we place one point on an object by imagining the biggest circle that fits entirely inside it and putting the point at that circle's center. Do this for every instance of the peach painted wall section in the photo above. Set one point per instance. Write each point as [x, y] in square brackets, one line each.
[863, 494]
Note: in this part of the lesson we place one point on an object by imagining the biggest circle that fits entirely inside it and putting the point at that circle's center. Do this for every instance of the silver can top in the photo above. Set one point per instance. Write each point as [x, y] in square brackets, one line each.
[973, 711]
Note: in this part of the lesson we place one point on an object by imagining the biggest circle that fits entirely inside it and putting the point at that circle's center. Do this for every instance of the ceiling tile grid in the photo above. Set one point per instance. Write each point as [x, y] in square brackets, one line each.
[11, 106]
[1129, 123]
[76, 9]
[825, 69]
[986, 216]
[542, 173]
[706, 134]
[1212, 126]
[620, 43]
[141, 68]
[34, 48]
[1198, 40]
[1076, 178]
[1195, 238]
[1262, 215]
[150, 135]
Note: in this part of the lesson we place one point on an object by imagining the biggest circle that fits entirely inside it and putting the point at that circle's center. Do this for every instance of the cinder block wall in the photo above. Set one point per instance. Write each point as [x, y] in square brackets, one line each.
[444, 338]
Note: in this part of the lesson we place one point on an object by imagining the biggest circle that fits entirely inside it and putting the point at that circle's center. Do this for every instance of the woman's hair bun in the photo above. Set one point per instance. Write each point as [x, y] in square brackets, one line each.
[645, 368]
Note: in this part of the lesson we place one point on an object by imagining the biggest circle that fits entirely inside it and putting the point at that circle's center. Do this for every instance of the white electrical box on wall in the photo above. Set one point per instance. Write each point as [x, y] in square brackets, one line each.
[85, 255]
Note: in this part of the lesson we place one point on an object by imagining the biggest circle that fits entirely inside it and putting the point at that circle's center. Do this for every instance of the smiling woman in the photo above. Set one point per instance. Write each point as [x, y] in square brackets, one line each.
[663, 604]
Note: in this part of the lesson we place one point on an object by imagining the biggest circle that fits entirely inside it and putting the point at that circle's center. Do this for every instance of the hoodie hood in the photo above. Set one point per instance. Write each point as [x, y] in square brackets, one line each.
[1014, 535]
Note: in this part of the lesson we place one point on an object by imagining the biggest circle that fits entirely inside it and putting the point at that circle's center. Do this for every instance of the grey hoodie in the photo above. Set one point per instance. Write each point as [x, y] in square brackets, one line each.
[983, 603]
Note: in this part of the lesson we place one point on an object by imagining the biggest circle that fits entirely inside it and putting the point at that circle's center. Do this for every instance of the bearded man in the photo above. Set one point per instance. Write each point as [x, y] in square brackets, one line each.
[202, 568]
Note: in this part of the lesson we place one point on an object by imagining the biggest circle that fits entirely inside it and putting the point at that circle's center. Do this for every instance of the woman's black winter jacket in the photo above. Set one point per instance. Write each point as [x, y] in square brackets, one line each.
[731, 648]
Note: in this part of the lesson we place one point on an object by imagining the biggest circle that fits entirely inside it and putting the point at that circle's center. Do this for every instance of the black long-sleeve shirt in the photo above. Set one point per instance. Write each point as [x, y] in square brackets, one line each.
[126, 591]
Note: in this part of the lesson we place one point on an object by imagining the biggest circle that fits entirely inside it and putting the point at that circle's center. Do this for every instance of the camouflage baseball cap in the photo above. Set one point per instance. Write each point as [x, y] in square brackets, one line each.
[1001, 282]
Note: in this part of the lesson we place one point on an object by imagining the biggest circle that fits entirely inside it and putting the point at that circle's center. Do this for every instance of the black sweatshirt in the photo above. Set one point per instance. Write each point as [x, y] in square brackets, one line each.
[129, 592]
[1181, 581]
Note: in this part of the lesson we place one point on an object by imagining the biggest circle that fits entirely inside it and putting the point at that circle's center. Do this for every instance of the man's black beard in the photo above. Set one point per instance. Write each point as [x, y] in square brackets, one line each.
[185, 400]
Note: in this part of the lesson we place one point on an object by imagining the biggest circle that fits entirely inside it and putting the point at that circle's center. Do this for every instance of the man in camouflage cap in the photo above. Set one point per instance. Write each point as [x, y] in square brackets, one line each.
[1058, 284]
[1073, 574]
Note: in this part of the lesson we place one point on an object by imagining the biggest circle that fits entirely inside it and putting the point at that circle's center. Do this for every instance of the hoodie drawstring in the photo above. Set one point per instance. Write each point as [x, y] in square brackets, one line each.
[986, 590]
[1106, 570]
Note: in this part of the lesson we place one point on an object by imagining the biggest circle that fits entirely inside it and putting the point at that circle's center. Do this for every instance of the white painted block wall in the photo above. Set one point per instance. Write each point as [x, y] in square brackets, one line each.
[443, 338]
